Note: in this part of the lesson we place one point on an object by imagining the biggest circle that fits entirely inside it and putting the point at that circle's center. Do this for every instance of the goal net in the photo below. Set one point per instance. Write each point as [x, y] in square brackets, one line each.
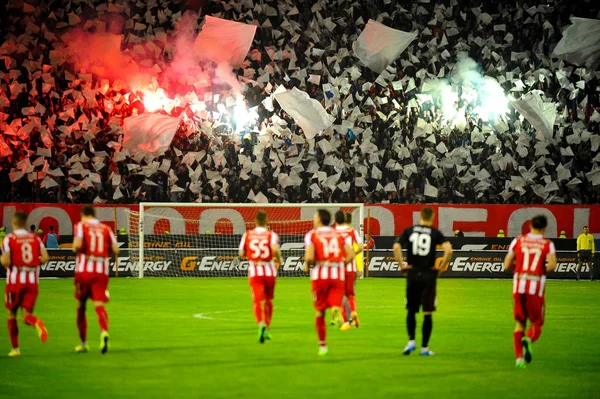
[202, 240]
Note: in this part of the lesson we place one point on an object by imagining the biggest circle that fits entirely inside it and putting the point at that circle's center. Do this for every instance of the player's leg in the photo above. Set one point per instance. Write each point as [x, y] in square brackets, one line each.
[351, 295]
[520, 316]
[270, 294]
[590, 264]
[578, 266]
[518, 336]
[319, 291]
[429, 302]
[535, 313]
[99, 294]
[335, 297]
[413, 302]
[81, 295]
[27, 304]
[258, 297]
[13, 332]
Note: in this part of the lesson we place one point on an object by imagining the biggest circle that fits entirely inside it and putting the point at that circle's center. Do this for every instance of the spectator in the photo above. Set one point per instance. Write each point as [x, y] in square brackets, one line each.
[51, 239]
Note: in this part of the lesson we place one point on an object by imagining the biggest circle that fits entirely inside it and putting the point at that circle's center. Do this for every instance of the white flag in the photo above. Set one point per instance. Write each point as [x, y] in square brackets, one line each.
[224, 41]
[148, 132]
[580, 44]
[378, 45]
[307, 112]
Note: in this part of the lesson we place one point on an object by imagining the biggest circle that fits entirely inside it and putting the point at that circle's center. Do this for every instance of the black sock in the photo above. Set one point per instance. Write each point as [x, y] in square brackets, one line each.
[591, 272]
[427, 327]
[411, 325]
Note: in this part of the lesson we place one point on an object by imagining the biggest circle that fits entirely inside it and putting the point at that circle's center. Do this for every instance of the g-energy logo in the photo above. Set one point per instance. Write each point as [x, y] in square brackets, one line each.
[212, 263]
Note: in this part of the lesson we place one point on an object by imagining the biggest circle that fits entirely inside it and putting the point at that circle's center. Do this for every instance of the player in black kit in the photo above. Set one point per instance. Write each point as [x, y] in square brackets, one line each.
[422, 270]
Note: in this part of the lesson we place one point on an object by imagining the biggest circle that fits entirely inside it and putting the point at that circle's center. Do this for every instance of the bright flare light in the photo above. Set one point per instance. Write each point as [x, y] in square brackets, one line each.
[155, 100]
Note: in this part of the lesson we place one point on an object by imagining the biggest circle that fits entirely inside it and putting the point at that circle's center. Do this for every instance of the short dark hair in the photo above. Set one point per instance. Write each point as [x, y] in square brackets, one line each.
[340, 217]
[348, 218]
[324, 216]
[585, 227]
[261, 218]
[539, 222]
[88, 210]
[20, 219]
[427, 213]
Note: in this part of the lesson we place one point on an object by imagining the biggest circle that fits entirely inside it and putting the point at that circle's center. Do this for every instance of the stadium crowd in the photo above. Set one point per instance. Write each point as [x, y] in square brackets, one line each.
[62, 127]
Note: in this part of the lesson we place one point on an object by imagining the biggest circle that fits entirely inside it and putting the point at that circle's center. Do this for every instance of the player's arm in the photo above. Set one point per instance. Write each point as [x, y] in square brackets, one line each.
[78, 238]
[114, 246]
[447, 248]
[242, 247]
[551, 259]
[398, 254]
[509, 259]
[44, 255]
[276, 249]
[5, 258]
[309, 257]
[349, 251]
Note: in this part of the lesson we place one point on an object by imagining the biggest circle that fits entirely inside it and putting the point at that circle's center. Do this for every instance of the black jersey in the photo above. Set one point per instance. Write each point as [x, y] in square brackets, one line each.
[420, 242]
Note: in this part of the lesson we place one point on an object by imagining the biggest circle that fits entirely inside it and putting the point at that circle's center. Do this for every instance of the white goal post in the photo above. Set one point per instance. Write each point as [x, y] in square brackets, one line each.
[202, 239]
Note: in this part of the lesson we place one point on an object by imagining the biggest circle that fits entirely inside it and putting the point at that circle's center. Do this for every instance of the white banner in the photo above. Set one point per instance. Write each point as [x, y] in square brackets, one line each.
[541, 115]
[378, 45]
[149, 132]
[306, 111]
[224, 41]
[580, 44]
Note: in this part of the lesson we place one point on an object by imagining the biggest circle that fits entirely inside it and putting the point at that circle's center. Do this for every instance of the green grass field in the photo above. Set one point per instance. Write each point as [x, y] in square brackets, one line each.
[160, 350]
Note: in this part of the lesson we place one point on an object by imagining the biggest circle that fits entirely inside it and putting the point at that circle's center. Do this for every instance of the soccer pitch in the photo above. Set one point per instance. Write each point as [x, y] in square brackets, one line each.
[159, 349]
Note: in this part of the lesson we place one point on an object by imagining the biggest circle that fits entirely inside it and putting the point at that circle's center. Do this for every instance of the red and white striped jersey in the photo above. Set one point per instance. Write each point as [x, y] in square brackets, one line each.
[94, 255]
[530, 252]
[256, 244]
[25, 250]
[348, 232]
[329, 253]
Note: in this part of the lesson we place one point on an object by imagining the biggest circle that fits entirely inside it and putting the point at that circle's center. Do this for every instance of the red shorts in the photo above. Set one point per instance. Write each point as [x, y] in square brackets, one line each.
[327, 293]
[350, 283]
[529, 307]
[262, 288]
[91, 286]
[21, 295]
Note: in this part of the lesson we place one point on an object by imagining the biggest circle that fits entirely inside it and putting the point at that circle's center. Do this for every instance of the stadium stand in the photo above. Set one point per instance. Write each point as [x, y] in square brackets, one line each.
[391, 140]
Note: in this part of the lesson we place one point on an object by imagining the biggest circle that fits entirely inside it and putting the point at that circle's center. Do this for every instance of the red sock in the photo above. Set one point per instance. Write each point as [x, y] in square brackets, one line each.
[534, 332]
[517, 336]
[352, 303]
[258, 311]
[320, 323]
[82, 324]
[13, 331]
[102, 318]
[268, 312]
[31, 320]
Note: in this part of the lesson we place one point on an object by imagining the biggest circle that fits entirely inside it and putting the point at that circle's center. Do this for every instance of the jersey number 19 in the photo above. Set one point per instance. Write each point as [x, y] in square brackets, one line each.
[421, 244]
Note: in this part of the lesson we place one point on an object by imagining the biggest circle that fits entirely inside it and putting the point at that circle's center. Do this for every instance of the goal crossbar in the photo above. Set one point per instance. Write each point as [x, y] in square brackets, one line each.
[144, 206]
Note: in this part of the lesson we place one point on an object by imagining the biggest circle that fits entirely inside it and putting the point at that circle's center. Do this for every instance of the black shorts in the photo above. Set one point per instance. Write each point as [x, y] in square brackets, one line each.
[421, 291]
[585, 256]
